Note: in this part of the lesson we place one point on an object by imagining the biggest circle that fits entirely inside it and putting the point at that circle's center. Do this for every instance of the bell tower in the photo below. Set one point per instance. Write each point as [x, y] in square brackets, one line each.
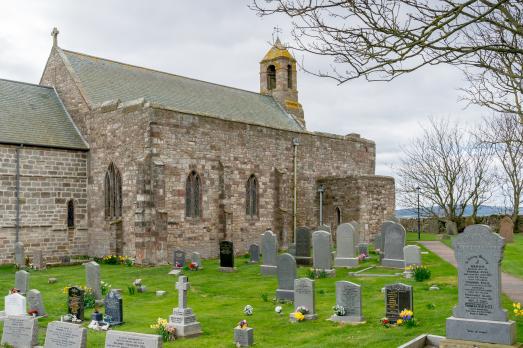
[278, 79]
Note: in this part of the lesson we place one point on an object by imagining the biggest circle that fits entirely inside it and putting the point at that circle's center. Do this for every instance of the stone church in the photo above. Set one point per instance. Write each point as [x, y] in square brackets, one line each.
[103, 157]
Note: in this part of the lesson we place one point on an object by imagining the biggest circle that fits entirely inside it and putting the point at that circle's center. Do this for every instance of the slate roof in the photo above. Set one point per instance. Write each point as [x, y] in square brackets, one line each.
[34, 115]
[103, 80]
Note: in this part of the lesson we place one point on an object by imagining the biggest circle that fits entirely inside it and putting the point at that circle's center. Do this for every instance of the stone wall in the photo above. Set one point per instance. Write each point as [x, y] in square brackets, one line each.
[49, 178]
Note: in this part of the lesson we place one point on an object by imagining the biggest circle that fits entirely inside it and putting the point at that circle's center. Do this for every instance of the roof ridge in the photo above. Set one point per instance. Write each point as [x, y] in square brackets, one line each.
[164, 72]
[26, 83]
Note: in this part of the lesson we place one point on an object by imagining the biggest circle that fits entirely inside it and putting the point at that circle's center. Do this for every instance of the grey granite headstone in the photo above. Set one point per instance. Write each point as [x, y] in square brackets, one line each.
[303, 246]
[124, 339]
[179, 258]
[22, 281]
[38, 260]
[357, 231]
[114, 308]
[452, 228]
[506, 229]
[35, 302]
[323, 227]
[292, 249]
[269, 248]
[348, 295]
[378, 242]
[183, 318]
[345, 246]
[321, 251]
[304, 296]
[65, 335]
[19, 255]
[286, 276]
[397, 298]
[412, 254]
[254, 253]
[15, 304]
[479, 315]
[20, 332]
[394, 241]
[243, 337]
[196, 258]
[92, 276]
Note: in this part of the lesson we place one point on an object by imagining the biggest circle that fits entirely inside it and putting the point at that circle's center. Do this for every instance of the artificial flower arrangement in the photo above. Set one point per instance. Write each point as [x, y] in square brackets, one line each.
[193, 266]
[243, 324]
[14, 291]
[178, 265]
[300, 312]
[165, 330]
[248, 310]
[362, 257]
[339, 310]
[517, 309]
[278, 309]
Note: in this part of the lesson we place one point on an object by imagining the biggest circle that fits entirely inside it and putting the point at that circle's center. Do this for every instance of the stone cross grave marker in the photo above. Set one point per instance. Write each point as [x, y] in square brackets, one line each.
[113, 304]
[92, 276]
[321, 251]
[304, 296]
[269, 248]
[179, 258]
[65, 335]
[226, 256]
[15, 304]
[75, 302]
[479, 315]
[412, 254]
[397, 298]
[303, 246]
[506, 229]
[183, 319]
[254, 253]
[22, 281]
[345, 246]
[286, 276]
[348, 296]
[20, 331]
[124, 339]
[34, 299]
[394, 240]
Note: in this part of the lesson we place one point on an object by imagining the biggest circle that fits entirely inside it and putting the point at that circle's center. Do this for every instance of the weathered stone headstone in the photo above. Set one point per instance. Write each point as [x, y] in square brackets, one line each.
[303, 246]
[452, 228]
[397, 298]
[38, 260]
[432, 226]
[321, 252]
[363, 249]
[20, 332]
[479, 315]
[179, 258]
[304, 296]
[292, 249]
[286, 276]
[114, 308]
[196, 258]
[254, 253]
[378, 242]
[92, 276]
[345, 246]
[65, 335]
[412, 254]
[394, 241]
[506, 229]
[357, 231]
[323, 227]
[19, 255]
[226, 256]
[269, 248]
[348, 296]
[22, 281]
[124, 339]
[183, 319]
[35, 302]
[15, 304]
[243, 337]
[75, 302]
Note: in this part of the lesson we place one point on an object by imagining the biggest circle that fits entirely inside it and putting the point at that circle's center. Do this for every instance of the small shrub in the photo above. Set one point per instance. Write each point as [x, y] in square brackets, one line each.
[265, 297]
[421, 273]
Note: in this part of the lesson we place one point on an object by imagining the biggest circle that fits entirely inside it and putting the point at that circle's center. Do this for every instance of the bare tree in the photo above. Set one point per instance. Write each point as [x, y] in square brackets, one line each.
[450, 170]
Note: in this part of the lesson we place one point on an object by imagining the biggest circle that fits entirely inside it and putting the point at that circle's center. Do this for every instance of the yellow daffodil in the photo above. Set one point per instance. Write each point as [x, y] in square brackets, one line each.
[299, 316]
[399, 322]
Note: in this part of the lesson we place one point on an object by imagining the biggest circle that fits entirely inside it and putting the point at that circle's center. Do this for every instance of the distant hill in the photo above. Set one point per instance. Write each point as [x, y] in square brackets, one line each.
[485, 210]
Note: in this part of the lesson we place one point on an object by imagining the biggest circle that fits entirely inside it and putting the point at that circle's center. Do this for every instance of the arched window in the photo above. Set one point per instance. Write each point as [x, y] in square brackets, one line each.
[271, 77]
[289, 76]
[113, 192]
[193, 196]
[251, 197]
[70, 214]
[338, 215]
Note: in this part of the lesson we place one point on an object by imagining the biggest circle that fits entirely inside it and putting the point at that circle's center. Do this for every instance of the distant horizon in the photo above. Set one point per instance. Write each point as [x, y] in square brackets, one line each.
[484, 210]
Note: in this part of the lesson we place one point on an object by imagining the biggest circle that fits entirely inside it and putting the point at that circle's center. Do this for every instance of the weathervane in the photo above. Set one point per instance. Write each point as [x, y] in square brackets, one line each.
[276, 31]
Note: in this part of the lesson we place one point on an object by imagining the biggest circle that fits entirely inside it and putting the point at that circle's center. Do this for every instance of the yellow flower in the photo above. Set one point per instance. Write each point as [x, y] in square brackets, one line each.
[517, 305]
[399, 322]
[299, 316]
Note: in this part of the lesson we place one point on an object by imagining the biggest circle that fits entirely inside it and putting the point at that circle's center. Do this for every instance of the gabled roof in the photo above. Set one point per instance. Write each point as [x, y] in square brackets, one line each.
[34, 115]
[102, 80]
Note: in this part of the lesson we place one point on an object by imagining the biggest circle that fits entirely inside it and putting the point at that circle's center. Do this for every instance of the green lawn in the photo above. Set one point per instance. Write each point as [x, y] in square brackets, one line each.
[218, 300]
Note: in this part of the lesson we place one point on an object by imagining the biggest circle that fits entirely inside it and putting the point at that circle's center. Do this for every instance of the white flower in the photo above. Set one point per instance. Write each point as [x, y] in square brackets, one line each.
[248, 310]
[278, 309]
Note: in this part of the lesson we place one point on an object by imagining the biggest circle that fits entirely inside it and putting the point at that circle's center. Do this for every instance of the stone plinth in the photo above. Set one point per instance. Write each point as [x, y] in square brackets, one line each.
[449, 343]
[185, 322]
[488, 331]
[243, 337]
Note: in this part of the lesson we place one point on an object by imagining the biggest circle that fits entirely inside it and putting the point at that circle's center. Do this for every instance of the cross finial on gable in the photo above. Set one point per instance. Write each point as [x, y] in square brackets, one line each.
[54, 34]
[276, 31]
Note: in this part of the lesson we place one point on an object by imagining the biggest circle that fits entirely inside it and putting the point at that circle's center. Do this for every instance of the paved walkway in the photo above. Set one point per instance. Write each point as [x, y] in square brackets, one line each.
[512, 286]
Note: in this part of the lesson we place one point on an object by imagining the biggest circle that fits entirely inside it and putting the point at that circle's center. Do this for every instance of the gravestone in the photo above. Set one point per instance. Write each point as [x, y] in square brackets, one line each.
[20, 332]
[304, 296]
[394, 241]
[432, 226]
[196, 258]
[92, 276]
[183, 318]
[179, 258]
[254, 253]
[378, 242]
[479, 315]
[124, 339]
[75, 302]
[114, 307]
[292, 249]
[269, 249]
[15, 304]
[506, 229]
[357, 231]
[65, 335]
[22, 281]
[35, 302]
[323, 227]
[321, 252]
[348, 296]
[345, 246]
[363, 249]
[451, 227]
[412, 254]
[303, 246]
[38, 260]
[243, 337]
[286, 276]
[397, 298]
[226, 256]
[19, 255]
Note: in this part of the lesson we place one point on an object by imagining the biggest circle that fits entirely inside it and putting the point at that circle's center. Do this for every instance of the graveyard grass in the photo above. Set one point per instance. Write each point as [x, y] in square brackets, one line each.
[218, 300]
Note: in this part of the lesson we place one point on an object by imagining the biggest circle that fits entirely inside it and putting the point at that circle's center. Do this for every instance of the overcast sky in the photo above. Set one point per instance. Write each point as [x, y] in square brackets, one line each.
[223, 42]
